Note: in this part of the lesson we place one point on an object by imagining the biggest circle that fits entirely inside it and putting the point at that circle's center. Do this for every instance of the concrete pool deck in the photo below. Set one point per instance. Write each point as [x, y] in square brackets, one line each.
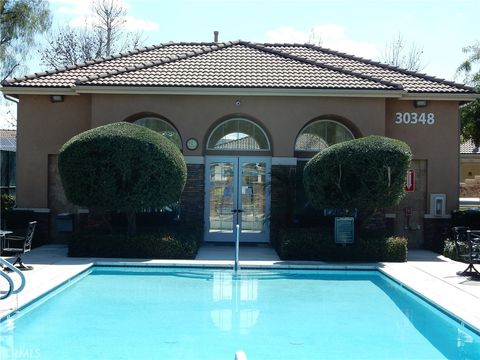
[427, 273]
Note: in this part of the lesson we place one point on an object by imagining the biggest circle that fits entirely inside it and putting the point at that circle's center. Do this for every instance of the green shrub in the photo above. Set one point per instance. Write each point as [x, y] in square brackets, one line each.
[7, 202]
[395, 249]
[365, 173]
[469, 218]
[450, 251]
[305, 244]
[318, 244]
[122, 167]
[178, 243]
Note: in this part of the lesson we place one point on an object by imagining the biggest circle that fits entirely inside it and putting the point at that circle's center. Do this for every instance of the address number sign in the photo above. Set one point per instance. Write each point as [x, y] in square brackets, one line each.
[414, 118]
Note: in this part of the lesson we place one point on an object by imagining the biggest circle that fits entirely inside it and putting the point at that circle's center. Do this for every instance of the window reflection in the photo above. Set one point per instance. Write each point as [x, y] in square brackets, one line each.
[235, 302]
[321, 134]
[238, 134]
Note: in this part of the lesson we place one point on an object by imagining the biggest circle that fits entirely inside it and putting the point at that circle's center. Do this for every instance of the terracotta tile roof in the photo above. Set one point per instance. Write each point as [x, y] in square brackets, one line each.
[237, 64]
[411, 81]
[468, 147]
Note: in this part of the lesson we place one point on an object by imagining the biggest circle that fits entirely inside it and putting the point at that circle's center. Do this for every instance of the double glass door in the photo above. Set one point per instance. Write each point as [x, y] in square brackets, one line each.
[237, 192]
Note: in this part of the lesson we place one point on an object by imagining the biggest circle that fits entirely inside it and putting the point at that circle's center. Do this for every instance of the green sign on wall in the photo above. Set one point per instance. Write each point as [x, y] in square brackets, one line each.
[344, 230]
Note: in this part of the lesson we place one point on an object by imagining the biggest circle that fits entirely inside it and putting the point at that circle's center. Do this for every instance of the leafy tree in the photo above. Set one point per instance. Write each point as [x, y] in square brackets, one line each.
[398, 53]
[20, 22]
[470, 113]
[364, 174]
[122, 167]
[103, 36]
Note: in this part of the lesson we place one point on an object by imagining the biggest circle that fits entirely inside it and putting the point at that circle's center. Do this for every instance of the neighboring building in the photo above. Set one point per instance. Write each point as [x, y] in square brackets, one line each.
[469, 161]
[8, 148]
[469, 170]
[244, 115]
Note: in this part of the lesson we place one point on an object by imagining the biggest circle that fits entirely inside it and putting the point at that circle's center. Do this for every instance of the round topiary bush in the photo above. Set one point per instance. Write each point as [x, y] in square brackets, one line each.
[122, 167]
[366, 173]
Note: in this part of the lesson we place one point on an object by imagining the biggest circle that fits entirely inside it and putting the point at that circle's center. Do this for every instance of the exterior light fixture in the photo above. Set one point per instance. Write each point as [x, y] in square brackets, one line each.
[420, 103]
[56, 98]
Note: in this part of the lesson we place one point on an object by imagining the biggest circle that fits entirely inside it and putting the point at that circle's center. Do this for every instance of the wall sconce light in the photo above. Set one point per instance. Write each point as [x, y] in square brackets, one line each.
[56, 98]
[420, 103]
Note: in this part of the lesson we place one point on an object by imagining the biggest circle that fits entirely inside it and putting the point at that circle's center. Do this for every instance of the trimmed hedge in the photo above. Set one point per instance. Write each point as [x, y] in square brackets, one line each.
[122, 167]
[365, 173]
[178, 243]
[469, 218]
[318, 244]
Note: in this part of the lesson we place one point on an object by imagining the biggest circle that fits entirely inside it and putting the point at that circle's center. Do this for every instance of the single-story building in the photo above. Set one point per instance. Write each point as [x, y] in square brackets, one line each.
[246, 117]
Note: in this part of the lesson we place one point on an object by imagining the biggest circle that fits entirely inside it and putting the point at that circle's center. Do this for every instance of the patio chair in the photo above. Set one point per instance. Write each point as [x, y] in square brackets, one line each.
[19, 245]
[467, 246]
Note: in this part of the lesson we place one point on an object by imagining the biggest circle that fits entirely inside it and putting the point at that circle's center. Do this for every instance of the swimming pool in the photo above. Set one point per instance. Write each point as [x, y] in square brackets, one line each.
[189, 313]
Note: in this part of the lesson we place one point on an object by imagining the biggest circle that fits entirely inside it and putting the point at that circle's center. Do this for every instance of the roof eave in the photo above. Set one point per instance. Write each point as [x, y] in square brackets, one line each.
[441, 96]
[21, 90]
[236, 91]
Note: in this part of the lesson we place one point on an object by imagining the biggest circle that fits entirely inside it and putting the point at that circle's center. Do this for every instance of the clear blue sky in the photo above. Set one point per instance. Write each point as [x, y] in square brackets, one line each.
[361, 28]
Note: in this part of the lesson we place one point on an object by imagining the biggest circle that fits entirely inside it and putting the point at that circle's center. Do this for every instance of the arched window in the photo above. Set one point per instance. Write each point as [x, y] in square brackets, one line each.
[161, 126]
[238, 134]
[321, 134]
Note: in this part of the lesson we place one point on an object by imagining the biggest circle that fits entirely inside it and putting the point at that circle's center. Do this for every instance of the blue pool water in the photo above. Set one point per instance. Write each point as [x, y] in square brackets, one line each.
[165, 313]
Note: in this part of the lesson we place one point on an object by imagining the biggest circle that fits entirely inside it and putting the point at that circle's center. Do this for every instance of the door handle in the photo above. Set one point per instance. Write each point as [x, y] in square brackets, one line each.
[237, 211]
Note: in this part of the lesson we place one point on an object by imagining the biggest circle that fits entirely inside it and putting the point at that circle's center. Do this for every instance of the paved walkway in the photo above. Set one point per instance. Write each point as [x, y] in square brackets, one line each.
[427, 273]
[247, 252]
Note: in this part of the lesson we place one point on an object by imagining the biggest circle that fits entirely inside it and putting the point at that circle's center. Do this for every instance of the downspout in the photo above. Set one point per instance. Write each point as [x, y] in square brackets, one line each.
[11, 98]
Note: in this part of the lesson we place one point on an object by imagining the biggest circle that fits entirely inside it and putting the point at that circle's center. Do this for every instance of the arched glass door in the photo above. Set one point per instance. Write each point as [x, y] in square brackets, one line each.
[237, 191]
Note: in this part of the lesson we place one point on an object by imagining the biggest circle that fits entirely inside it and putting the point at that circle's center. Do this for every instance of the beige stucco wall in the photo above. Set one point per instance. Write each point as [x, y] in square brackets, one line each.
[42, 128]
[281, 117]
[437, 143]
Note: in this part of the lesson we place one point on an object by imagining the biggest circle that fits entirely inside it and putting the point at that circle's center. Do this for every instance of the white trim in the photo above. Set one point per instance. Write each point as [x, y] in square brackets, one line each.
[194, 159]
[430, 216]
[280, 160]
[444, 96]
[469, 158]
[37, 210]
[140, 90]
[14, 90]
[236, 91]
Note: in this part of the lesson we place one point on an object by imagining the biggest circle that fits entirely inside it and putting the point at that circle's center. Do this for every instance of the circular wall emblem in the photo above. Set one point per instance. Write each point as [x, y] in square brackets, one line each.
[192, 144]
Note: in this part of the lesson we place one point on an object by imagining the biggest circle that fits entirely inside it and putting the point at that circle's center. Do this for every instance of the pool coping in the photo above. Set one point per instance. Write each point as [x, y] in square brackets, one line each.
[446, 297]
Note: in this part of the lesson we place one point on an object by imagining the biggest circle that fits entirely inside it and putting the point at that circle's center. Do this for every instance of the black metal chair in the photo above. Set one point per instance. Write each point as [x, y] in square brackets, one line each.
[467, 246]
[19, 245]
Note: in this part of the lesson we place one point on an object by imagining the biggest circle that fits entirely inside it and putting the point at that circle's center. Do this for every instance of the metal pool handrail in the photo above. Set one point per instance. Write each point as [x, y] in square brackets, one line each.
[10, 266]
[10, 285]
[237, 248]
[240, 355]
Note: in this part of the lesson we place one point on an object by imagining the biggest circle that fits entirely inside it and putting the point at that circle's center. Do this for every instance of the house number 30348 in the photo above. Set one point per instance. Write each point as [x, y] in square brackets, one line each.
[414, 118]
